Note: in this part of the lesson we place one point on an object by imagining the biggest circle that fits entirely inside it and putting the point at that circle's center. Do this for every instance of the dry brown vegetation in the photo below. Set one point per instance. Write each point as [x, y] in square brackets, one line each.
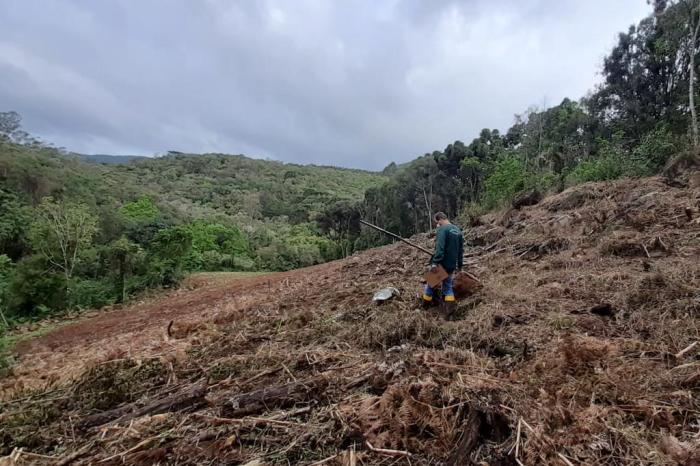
[578, 350]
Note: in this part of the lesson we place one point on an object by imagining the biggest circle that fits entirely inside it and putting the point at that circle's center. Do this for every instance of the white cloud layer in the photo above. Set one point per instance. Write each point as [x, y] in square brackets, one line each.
[356, 83]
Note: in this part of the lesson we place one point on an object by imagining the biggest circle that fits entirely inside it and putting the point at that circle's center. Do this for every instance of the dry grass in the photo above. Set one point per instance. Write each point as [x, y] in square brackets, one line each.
[529, 370]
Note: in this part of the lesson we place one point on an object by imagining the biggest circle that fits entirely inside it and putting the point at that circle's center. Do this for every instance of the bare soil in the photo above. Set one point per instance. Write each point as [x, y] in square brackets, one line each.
[141, 330]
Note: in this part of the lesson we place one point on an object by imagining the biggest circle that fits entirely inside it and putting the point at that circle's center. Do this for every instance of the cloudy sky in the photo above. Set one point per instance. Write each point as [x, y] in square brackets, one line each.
[354, 83]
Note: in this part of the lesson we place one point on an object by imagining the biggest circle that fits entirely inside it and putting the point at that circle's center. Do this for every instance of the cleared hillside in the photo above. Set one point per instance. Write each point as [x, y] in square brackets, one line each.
[580, 349]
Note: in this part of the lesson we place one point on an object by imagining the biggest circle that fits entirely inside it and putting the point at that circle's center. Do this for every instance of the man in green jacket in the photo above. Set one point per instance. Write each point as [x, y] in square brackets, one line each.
[449, 253]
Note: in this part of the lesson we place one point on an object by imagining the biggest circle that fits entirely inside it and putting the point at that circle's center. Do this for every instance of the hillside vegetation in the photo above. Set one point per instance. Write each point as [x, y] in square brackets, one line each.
[74, 233]
[582, 224]
[581, 348]
[639, 121]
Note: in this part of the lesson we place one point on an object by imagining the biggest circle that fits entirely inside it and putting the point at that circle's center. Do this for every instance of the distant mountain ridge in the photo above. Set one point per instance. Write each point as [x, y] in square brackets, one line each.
[110, 159]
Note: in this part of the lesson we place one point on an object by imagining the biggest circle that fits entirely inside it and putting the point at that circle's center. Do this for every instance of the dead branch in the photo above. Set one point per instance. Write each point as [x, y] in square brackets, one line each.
[139, 445]
[385, 451]
[274, 397]
[276, 419]
[565, 459]
[685, 350]
[75, 455]
[189, 398]
[324, 461]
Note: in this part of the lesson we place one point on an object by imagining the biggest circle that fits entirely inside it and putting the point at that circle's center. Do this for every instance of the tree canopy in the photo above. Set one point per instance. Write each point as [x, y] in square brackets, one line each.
[74, 233]
[632, 124]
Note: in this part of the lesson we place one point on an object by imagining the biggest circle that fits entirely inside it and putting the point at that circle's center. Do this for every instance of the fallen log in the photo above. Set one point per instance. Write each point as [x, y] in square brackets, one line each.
[189, 398]
[279, 396]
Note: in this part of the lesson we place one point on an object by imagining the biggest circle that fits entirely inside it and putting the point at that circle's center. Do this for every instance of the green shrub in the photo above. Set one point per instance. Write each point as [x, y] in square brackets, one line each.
[543, 181]
[124, 259]
[5, 357]
[612, 162]
[657, 147]
[470, 212]
[214, 246]
[14, 218]
[588, 170]
[307, 254]
[608, 167]
[169, 250]
[136, 283]
[367, 239]
[86, 294]
[144, 232]
[172, 243]
[6, 273]
[141, 210]
[213, 260]
[510, 177]
[162, 272]
[33, 287]
[243, 263]
[506, 180]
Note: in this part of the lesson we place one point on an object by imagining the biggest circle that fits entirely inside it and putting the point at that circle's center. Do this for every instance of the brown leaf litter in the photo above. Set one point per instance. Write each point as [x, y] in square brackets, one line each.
[581, 348]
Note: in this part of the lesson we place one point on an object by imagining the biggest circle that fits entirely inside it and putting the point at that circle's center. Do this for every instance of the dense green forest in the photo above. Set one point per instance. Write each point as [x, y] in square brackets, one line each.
[639, 121]
[80, 234]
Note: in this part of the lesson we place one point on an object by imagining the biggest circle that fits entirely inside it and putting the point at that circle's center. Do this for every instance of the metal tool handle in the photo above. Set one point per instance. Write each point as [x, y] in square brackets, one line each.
[397, 237]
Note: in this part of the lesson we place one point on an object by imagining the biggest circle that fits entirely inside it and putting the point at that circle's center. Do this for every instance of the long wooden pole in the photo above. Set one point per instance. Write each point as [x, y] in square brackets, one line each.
[397, 237]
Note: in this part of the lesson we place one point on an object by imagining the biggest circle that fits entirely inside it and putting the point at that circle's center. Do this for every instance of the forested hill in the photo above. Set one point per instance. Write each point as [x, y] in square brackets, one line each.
[234, 184]
[187, 185]
[147, 222]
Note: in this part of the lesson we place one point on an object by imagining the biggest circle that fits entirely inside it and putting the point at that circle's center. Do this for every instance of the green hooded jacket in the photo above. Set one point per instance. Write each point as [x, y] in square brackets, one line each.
[449, 247]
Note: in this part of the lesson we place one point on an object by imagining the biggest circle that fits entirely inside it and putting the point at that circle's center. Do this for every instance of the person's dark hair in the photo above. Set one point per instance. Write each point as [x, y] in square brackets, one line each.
[440, 216]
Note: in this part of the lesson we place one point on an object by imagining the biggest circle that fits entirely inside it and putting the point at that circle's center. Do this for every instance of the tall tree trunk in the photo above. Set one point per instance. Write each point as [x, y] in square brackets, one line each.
[428, 206]
[416, 228]
[66, 274]
[691, 87]
[122, 278]
[2, 314]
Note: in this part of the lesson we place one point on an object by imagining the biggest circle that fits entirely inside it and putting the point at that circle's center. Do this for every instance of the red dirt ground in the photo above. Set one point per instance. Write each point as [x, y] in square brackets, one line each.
[140, 330]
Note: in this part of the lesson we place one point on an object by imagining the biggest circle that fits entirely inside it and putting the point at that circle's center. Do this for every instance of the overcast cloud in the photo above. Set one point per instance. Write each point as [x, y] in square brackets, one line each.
[350, 83]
